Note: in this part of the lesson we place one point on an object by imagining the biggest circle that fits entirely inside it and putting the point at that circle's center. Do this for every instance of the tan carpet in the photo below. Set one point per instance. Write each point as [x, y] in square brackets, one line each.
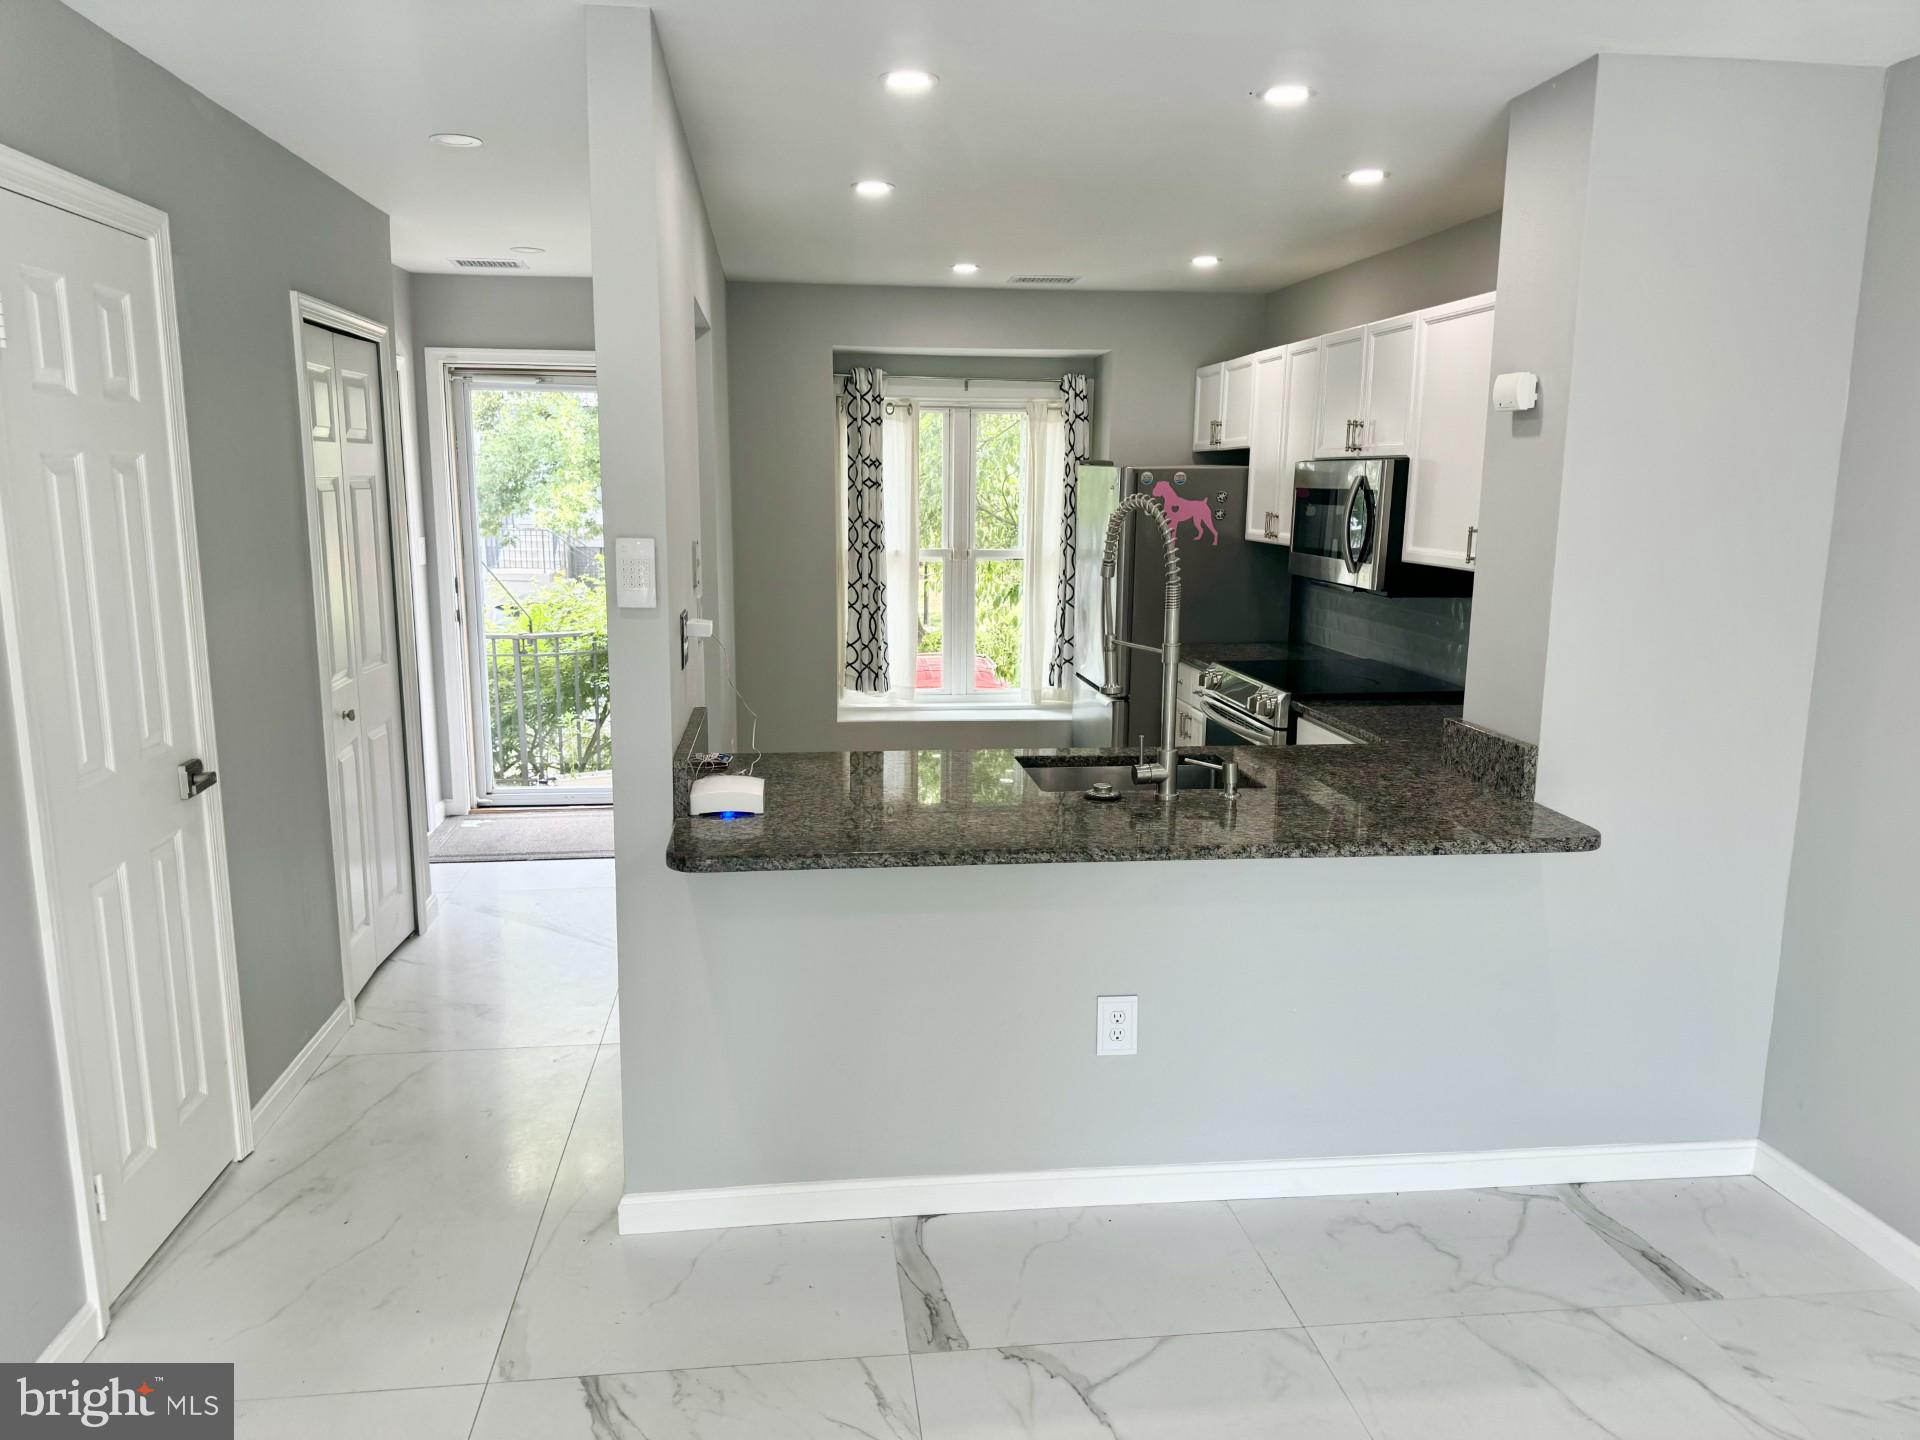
[558, 832]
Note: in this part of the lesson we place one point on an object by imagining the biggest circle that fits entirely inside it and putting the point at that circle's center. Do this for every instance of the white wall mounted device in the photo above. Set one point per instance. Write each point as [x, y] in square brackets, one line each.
[1516, 390]
[728, 797]
[635, 576]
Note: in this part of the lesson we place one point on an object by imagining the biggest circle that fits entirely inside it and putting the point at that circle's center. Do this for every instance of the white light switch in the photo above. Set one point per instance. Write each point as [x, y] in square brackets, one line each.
[634, 576]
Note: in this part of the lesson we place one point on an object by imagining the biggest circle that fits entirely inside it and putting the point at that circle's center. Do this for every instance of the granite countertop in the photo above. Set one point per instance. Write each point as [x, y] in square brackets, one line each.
[1374, 722]
[885, 809]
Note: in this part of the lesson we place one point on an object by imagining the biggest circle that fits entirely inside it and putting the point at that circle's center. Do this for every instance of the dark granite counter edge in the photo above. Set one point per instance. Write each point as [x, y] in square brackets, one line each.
[1489, 758]
[935, 859]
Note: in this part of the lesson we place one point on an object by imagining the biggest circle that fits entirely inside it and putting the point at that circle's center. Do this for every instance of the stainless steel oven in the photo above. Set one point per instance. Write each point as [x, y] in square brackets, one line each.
[1347, 519]
[1240, 711]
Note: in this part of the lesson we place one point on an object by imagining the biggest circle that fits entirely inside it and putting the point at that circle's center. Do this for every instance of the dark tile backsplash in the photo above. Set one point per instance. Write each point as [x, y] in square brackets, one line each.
[1428, 636]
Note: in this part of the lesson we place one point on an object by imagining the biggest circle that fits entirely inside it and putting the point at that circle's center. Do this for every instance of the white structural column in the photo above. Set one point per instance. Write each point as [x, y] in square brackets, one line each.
[655, 273]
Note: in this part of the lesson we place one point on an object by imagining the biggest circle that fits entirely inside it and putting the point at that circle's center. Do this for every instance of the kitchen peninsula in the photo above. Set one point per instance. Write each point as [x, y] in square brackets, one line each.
[893, 809]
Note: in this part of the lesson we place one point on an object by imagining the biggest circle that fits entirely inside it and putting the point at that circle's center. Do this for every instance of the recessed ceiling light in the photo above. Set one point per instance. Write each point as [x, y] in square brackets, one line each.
[1286, 96]
[966, 267]
[1205, 262]
[872, 189]
[454, 140]
[1367, 176]
[909, 82]
[528, 249]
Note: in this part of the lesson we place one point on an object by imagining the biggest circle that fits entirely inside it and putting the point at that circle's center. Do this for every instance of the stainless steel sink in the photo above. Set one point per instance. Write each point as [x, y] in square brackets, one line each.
[1059, 775]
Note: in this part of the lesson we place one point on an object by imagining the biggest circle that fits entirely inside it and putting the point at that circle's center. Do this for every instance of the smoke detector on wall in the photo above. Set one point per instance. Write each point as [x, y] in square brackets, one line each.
[484, 262]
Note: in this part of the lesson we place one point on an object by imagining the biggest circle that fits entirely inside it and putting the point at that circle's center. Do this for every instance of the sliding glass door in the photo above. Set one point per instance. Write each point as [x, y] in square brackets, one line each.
[534, 586]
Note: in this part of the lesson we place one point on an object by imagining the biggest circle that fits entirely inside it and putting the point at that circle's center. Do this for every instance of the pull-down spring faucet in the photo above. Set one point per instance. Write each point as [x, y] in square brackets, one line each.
[1164, 770]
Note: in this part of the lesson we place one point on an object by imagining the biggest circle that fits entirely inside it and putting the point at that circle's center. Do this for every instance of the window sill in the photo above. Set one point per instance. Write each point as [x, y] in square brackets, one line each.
[858, 712]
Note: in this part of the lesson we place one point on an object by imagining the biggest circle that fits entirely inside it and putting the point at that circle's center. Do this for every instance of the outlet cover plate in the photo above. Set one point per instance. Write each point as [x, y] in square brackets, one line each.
[1117, 1025]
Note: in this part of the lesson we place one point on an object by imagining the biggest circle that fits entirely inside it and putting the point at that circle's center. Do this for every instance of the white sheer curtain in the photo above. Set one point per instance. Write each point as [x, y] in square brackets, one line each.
[1045, 550]
[899, 428]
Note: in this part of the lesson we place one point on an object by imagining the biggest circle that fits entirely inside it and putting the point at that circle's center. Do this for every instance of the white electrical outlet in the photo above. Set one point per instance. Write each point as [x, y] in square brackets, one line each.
[1117, 1029]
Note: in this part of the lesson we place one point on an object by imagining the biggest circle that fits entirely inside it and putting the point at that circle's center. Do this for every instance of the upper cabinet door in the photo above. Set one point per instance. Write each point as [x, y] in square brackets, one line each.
[1303, 415]
[1342, 390]
[1391, 353]
[1450, 439]
[1236, 403]
[1269, 476]
[1209, 392]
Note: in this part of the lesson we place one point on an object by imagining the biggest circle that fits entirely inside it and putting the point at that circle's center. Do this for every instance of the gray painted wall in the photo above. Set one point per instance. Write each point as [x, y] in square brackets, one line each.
[1447, 266]
[1549, 137]
[1617, 997]
[1844, 1068]
[40, 1273]
[250, 223]
[783, 341]
[532, 312]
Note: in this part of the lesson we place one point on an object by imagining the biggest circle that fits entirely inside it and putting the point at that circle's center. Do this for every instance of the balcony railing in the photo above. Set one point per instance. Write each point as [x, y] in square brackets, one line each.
[530, 550]
[547, 708]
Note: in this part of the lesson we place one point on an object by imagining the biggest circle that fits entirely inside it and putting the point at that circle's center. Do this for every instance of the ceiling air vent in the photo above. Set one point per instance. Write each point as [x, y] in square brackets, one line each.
[485, 263]
[1043, 279]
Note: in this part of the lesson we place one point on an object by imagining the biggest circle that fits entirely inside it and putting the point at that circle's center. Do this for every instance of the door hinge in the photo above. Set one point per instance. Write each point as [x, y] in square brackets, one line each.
[100, 1197]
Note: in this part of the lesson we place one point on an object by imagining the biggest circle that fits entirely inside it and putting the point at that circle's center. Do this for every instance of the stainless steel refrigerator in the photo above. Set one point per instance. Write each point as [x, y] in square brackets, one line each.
[1234, 589]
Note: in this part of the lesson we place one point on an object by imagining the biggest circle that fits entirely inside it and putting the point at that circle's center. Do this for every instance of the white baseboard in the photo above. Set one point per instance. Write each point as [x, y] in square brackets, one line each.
[272, 1105]
[429, 912]
[653, 1212]
[1847, 1218]
[76, 1338]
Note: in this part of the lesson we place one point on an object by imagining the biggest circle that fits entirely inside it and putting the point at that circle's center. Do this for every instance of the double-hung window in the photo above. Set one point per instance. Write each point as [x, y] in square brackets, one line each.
[973, 517]
[973, 496]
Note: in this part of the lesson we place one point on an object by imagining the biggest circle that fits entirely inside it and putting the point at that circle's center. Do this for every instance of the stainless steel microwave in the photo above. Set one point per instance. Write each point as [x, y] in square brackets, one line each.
[1349, 517]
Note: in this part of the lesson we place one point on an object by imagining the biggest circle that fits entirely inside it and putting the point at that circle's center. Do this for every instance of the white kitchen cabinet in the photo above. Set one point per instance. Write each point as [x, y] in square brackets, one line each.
[1343, 373]
[1223, 405]
[1269, 476]
[1236, 403]
[1306, 732]
[1303, 415]
[1208, 394]
[1414, 385]
[1386, 415]
[1366, 388]
[1449, 433]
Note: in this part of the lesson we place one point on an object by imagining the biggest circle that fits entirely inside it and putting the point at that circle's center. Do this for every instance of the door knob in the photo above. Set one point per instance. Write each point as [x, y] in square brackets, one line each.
[347, 715]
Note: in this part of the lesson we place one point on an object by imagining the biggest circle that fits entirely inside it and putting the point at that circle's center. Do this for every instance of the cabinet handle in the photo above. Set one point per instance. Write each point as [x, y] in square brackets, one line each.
[1273, 529]
[1473, 535]
[1214, 428]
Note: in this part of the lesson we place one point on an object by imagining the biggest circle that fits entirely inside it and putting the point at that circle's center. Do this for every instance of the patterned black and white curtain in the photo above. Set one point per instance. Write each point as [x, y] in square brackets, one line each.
[1073, 389]
[866, 654]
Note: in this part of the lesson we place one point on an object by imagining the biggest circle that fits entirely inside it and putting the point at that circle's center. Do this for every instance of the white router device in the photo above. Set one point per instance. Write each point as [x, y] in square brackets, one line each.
[728, 797]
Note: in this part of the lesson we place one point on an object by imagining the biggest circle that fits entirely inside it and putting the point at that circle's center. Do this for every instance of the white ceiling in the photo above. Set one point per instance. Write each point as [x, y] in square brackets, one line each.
[1110, 139]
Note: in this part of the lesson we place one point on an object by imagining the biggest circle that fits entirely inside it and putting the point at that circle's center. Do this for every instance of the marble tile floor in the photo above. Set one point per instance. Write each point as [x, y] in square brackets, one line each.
[425, 1247]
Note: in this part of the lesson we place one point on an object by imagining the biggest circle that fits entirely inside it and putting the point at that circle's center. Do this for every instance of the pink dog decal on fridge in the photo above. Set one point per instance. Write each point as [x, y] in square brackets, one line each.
[1179, 510]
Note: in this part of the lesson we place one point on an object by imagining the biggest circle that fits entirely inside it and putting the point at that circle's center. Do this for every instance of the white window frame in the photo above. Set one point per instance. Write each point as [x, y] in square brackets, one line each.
[1040, 399]
[960, 562]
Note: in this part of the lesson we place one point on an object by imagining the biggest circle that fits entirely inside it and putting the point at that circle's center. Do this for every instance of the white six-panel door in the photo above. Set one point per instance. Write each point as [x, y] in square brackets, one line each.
[108, 637]
[373, 855]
